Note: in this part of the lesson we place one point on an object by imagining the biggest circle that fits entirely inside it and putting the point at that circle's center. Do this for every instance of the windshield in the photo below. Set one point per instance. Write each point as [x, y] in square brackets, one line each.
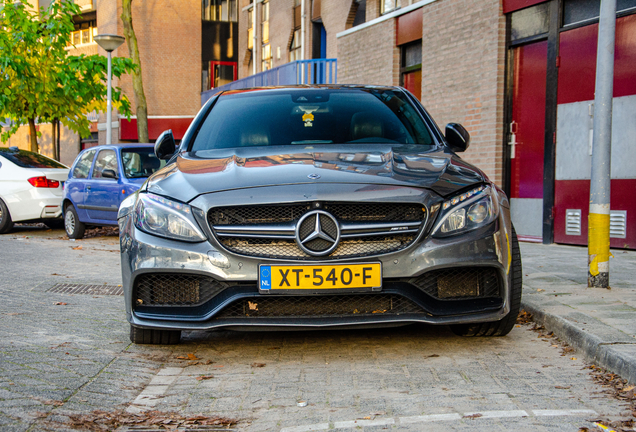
[140, 162]
[311, 116]
[27, 159]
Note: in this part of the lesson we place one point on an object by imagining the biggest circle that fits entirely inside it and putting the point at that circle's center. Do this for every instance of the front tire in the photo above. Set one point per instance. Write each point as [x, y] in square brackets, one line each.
[504, 326]
[5, 218]
[72, 225]
[154, 336]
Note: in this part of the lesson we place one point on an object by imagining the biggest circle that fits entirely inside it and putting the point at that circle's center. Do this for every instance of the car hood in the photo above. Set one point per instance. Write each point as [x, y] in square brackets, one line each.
[226, 169]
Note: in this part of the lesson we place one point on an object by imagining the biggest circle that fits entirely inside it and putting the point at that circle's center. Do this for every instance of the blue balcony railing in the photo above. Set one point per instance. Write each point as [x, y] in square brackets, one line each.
[320, 71]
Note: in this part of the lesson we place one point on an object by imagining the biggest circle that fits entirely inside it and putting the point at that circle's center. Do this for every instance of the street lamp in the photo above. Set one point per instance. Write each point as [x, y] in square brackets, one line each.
[109, 43]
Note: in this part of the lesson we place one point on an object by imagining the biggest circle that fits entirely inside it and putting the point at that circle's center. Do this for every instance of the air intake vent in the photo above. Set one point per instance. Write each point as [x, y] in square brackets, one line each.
[573, 222]
[618, 223]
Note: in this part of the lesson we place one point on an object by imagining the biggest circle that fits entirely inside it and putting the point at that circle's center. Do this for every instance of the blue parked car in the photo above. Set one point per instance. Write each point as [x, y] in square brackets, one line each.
[100, 178]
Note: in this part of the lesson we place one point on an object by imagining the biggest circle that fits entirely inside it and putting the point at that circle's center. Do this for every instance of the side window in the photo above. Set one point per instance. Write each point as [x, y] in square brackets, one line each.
[106, 159]
[83, 166]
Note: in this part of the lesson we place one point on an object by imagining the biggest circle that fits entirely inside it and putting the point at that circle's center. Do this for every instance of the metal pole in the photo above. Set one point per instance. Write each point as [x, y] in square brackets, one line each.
[599, 217]
[302, 29]
[254, 39]
[109, 105]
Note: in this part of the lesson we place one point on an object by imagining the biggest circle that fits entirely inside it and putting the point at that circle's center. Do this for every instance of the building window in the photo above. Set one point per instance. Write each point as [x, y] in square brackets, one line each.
[219, 10]
[83, 33]
[580, 11]
[265, 22]
[295, 46]
[411, 67]
[387, 6]
[266, 57]
[250, 29]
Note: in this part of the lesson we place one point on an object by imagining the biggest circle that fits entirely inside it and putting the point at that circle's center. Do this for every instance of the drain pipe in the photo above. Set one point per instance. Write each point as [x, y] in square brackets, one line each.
[254, 39]
[302, 29]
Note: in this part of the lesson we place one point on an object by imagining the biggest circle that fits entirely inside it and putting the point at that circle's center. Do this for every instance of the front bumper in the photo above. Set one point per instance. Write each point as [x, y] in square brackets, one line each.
[144, 255]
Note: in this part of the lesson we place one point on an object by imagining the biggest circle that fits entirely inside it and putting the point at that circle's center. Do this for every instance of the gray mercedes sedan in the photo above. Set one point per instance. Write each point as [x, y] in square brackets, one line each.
[315, 207]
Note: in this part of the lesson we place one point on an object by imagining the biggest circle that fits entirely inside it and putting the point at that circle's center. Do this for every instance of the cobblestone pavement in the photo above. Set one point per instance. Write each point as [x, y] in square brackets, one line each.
[62, 354]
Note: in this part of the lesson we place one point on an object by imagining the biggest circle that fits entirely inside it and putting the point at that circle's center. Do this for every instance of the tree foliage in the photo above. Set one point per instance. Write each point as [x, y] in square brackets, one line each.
[40, 81]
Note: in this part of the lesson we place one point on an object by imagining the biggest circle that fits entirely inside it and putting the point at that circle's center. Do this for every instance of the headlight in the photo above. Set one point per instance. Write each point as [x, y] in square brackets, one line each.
[166, 218]
[467, 211]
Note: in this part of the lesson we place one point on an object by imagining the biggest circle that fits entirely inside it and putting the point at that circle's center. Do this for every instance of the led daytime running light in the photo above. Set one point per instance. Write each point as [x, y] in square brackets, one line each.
[463, 197]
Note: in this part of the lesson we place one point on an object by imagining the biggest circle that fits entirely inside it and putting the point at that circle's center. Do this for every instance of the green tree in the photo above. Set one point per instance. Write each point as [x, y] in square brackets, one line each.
[40, 81]
[138, 85]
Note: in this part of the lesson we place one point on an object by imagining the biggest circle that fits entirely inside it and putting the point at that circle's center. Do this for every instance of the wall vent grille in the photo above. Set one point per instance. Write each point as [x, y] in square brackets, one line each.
[573, 222]
[618, 223]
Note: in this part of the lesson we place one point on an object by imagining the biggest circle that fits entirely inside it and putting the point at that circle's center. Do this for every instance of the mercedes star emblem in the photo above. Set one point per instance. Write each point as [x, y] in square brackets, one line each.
[317, 233]
[314, 176]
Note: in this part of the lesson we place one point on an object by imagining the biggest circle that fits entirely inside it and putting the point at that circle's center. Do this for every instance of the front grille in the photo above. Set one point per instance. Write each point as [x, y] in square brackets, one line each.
[320, 306]
[459, 283]
[168, 289]
[358, 212]
[289, 249]
[268, 231]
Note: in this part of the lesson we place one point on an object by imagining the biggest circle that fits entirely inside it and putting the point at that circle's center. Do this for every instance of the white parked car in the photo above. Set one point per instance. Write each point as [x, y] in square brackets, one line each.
[31, 188]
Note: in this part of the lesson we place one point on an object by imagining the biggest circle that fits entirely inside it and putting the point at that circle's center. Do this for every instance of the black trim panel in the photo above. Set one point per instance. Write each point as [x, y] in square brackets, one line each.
[99, 208]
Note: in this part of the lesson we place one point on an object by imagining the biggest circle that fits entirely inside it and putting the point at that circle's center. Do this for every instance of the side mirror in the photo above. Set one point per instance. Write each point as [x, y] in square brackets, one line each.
[165, 145]
[457, 137]
[109, 173]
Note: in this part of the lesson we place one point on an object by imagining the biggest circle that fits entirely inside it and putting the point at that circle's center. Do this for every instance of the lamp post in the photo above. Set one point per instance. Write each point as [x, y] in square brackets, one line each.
[109, 43]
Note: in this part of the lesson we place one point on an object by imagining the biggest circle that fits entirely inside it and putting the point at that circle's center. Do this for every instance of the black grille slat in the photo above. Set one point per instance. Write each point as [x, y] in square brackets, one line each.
[166, 289]
[253, 215]
[377, 212]
[461, 282]
[320, 306]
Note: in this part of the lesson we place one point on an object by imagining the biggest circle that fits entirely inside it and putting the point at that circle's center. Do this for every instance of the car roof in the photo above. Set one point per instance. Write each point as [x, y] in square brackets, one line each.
[120, 146]
[312, 86]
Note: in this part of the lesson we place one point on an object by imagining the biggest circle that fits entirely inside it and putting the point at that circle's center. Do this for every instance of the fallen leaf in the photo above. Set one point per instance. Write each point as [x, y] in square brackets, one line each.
[474, 416]
[258, 365]
[192, 357]
[540, 290]
[630, 388]
[60, 304]
[253, 306]
[77, 248]
[572, 358]
[204, 377]
[562, 387]
[432, 355]
[366, 418]
[379, 413]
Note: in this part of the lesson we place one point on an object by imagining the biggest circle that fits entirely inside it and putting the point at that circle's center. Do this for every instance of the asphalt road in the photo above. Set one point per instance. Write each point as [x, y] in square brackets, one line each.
[65, 354]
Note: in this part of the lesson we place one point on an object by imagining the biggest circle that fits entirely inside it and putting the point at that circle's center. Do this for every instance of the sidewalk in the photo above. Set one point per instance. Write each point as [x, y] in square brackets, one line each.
[599, 323]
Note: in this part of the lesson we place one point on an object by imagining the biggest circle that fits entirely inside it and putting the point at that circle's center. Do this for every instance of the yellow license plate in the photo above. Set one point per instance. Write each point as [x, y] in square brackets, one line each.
[308, 277]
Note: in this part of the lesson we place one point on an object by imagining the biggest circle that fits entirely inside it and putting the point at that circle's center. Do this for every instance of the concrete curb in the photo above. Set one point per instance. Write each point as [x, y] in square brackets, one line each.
[614, 350]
